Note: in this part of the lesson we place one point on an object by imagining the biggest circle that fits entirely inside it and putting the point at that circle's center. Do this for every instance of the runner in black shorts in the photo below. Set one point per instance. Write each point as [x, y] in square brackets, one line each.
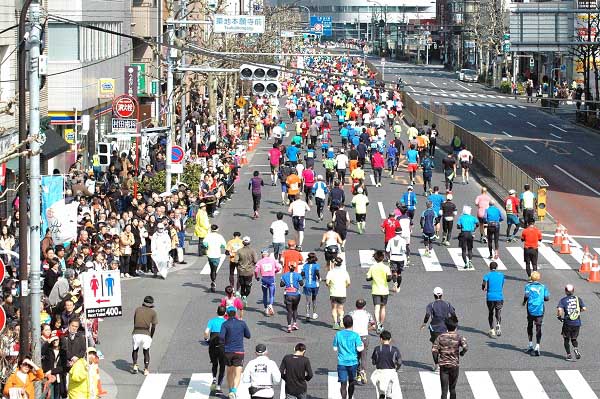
[338, 300]
[298, 222]
[361, 217]
[380, 300]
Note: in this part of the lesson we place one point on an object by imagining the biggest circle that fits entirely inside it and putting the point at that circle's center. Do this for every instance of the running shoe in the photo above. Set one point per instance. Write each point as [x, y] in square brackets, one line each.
[213, 386]
[295, 326]
[289, 329]
[496, 256]
[308, 315]
[245, 300]
[271, 311]
[218, 388]
[267, 312]
[492, 333]
[363, 376]
[232, 395]
[529, 350]
[335, 326]
[577, 354]
[569, 358]
[315, 316]
[498, 330]
[135, 369]
[536, 351]
[146, 371]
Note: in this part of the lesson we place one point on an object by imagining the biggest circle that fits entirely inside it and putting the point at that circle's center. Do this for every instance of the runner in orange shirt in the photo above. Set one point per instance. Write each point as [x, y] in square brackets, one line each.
[293, 183]
[291, 258]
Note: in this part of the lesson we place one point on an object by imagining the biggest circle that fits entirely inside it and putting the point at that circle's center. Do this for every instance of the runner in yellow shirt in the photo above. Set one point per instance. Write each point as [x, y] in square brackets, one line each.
[360, 203]
[379, 275]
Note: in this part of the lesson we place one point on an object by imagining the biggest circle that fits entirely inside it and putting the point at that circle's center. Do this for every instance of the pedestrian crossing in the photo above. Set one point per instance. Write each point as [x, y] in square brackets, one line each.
[472, 104]
[412, 385]
[459, 94]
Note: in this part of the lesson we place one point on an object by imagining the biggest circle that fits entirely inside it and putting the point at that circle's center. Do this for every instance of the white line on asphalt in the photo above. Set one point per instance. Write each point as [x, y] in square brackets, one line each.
[473, 112]
[413, 89]
[153, 386]
[513, 115]
[555, 135]
[469, 104]
[530, 149]
[481, 384]
[500, 106]
[556, 127]
[418, 102]
[586, 151]
[457, 103]
[488, 122]
[456, 255]
[552, 257]
[431, 384]
[466, 88]
[372, 179]
[431, 263]
[433, 84]
[381, 210]
[206, 268]
[481, 95]
[333, 386]
[510, 106]
[531, 124]
[444, 94]
[517, 253]
[576, 384]
[522, 107]
[491, 105]
[485, 252]
[418, 82]
[528, 385]
[506, 134]
[584, 184]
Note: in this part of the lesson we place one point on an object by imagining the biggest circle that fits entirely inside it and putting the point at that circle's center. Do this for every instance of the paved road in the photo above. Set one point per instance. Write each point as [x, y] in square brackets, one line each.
[540, 143]
[492, 368]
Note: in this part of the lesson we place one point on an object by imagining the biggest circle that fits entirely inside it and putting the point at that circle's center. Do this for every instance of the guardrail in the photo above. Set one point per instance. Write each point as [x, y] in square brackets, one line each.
[506, 173]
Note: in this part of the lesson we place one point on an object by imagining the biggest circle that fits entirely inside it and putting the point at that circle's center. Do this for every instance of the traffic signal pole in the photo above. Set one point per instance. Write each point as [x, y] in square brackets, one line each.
[171, 108]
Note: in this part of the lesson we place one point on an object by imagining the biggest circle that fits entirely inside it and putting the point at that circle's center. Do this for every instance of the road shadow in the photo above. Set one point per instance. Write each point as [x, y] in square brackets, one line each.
[122, 364]
[274, 326]
[196, 285]
[513, 278]
[416, 365]
[244, 215]
[472, 330]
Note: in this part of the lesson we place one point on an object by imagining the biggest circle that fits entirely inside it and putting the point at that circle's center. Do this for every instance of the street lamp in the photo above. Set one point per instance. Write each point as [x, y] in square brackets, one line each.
[307, 10]
[383, 10]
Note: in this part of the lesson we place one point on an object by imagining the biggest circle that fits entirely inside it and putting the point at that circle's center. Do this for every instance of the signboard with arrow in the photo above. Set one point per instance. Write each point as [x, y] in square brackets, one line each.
[101, 294]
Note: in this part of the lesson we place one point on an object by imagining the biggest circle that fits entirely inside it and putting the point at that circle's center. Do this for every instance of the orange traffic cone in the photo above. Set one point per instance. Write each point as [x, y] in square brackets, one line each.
[244, 159]
[594, 276]
[565, 248]
[557, 235]
[586, 261]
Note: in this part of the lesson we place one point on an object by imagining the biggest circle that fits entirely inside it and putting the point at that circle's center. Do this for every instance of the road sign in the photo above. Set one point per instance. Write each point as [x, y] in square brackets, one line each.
[506, 47]
[531, 62]
[241, 102]
[124, 125]
[563, 68]
[124, 106]
[102, 294]
[382, 61]
[321, 25]
[2, 318]
[506, 36]
[2, 272]
[177, 154]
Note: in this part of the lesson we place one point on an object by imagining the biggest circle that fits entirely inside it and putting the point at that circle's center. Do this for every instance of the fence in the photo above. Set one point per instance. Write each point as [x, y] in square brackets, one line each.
[506, 173]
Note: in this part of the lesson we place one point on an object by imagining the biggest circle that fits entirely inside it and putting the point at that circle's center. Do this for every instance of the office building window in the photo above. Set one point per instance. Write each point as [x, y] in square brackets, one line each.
[63, 42]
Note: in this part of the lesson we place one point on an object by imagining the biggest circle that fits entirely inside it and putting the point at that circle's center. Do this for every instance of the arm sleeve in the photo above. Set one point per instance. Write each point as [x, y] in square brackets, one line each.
[375, 356]
[308, 371]
[247, 331]
[275, 373]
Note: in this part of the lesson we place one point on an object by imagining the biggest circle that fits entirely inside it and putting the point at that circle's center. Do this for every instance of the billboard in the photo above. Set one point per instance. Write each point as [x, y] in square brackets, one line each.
[239, 23]
[320, 25]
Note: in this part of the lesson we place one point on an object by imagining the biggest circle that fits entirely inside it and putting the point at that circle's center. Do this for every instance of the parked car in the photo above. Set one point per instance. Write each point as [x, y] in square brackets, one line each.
[468, 75]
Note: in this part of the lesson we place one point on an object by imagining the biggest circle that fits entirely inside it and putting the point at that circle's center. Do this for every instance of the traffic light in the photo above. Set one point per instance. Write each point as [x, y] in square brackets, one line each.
[252, 72]
[104, 153]
[541, 206]
[270, 88]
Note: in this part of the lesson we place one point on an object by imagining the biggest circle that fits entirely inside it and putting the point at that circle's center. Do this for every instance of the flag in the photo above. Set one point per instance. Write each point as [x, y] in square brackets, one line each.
[52, 192]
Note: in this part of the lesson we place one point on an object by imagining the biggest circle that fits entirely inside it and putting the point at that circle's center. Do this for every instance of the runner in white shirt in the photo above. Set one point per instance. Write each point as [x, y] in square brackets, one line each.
[342, 162]
[466, 159]
[298, 209]
[396, 250]
[360, 203]
[363, 322]
[279, 229]
[261, 373]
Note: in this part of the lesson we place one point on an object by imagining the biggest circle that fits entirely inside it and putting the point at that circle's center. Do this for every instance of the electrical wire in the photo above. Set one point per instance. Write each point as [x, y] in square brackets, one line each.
[10, 28]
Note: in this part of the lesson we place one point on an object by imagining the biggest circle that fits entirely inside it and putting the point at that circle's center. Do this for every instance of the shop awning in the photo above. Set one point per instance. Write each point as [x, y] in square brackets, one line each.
[54, 145]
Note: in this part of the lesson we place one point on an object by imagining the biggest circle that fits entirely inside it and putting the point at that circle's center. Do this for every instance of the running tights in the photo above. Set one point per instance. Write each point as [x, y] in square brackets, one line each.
[311, 303]
[427, 241]
[345, 387]
[448, 379]
[466, 244]
[447, 226]
[134, 356]
[377, 172]
[538, 329]
[291, 305]
[493, 311]
[245, 285]
[566, 343]
[493, 234]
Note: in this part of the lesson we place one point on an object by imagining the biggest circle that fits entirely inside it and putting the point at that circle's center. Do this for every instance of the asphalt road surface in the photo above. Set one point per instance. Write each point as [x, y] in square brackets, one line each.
[540, 143]
[493, 368]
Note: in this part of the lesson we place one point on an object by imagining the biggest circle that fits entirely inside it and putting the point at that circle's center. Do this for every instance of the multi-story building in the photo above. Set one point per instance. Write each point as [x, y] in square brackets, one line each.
[79, 59]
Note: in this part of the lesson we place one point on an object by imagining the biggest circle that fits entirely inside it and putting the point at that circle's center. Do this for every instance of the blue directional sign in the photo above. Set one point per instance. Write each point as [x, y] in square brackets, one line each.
[321, 25]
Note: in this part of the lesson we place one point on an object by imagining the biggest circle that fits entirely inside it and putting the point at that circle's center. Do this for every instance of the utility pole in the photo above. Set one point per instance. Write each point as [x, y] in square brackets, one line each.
[170, 100]
[183, 12]
[34, 182]
[24, 337]
[159, 26]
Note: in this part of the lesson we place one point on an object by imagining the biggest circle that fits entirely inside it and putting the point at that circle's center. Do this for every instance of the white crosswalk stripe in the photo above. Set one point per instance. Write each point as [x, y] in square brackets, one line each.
[333, 386]
[431, 263]
[510, 106]
[481, 384]
[206, 268]
[576, 385]
[517, 254]
[554, 259]
[500, 106]
[484, 252]
[431, 384]
[456, 254]
[597, 250]
[522, 107]
[528, 385]
[153, 386]
[491, 105]
[469, 104]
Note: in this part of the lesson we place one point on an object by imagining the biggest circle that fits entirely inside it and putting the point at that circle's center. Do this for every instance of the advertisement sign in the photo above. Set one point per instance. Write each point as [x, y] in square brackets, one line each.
[141, 78]
[101, 294]
[124, 125]
[131, 80]
[321, 25]
[70, 136]
[239, 23]
[106, 88]
[125, 106]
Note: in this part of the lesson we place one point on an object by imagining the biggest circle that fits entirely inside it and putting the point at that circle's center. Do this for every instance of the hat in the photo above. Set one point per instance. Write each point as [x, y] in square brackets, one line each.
[76, 283]
[359, 190]
[466, 210]
[449, 196]
[149, 301]
[231, 309]
[437, 291]
[569, 288]
[410, 188]
[320, 177]
[341, 150]
[91, 349]
[202, 205]
[265, 251]
[160, 226]
[260, 349]
[246, 240]
[89, 265]
[512, 191]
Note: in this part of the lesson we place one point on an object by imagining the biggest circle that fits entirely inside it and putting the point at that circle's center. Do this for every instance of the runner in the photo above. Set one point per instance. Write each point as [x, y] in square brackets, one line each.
[448, 347]
[311, 273]
[363, 322]
[412, 157]
[232, 299]
[406, 226]
[284, 172]
[427, 165]
[360, 203]
[296, 371]
[330, 242]
[493, 285]
[467, 225]
[291, 282]
[145, 321]
[568, 312]
[231, 249]
[449, 166]
[493, 218]
[358, 177]
[341, 219]
[377, 163]
[293, 183]
[387, 361]
[337, 280]
[483, 202]
[536, 294]
[379, 274]
[274, 157]
[466, 159]
[409, 200]
[428, 218]
[448, 212]
[255, 185]
[341, 164]
[215, 348]
[438, 311]
[396, 251]
[214, 243]
[232, 334]
[528, 202]
[347, 344]
[291, 258]
[531, 238]
[308, 180]
[246, 258]
[432, 133]
[320, 191]
[389, 227]
[298, 209]
[265, 271]
[329, 164]
[511, 205]
[436, 204]
[391, 155]
[279, 229]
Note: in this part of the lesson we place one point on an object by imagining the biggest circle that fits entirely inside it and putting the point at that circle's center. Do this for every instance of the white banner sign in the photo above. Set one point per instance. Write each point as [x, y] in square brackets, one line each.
[101, 293]
[239, 23]
[62, 221]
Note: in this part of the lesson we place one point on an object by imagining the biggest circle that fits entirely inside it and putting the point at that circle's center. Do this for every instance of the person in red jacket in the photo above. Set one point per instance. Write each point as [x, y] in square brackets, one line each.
[389, 226]
[378, 165]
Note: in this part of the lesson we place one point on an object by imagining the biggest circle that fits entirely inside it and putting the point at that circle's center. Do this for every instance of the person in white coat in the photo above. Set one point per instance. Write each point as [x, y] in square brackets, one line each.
[161, 245]
[261, 373]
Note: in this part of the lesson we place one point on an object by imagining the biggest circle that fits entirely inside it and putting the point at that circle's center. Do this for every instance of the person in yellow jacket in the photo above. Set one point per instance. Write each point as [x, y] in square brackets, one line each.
[202, 227]
[84, 377]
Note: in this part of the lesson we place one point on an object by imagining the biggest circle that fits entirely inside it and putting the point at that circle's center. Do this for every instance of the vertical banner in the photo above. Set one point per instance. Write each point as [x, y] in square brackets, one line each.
[131, 80]
[3, 175]
[52, 192]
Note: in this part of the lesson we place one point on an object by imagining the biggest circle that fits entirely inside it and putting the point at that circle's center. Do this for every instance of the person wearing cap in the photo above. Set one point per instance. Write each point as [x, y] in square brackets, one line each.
[246, 259]
[84, 377]
[298, 209]
[358, 176]
[279, 229]
[261, 373]
[427, 221]
[296, 371]
[511, 206]
[54, 364]
[409, 200]
[215, 348]
[310, 156]
[493, 285]
[467, 224]
[338, 281]
[447, 212]
[202, 227]
[379, 274]
[437, 311]
[145, 320]
[231, 249]
[347, 344]
[449, 166]
[396, 252]
[232, 335]
[568, 311]
[265, 271]
[360, 202]
[412, 157]
[535, 295]
[214, 243]
[428, 165]
[20, 384]
[531, 238]
[320, 191]
[493, 218]
[448, 347]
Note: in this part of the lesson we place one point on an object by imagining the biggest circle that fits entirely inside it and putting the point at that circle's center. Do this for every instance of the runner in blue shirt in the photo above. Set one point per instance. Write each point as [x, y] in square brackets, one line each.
[536, 294]
[391, 154]
[436, 201]
[428, 226]
[409, 200]
[412, 158]
[493, 283]
[493, 217]
[215, 348]
[311, 275]
[569, 312]
[347, 344]
[291, 153]
[291, 283]
[467, 224]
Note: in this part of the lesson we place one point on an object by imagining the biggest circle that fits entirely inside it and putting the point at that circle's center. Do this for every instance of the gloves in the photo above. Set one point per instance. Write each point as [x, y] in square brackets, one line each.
[561, 319]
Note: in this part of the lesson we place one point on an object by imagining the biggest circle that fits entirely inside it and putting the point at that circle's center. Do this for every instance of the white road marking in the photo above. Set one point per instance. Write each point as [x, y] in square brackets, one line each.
[510, 106]
[206, 268]
[500, 106]
[531, 124]
[488, 122]
[576, 384]
[466, 88]
[472, 112]
[491, 105]
[482, 385]
[530, 149]
[484, 252]
[448, 102]
[443, 94]
[154, 385]
[552, 257]
[469, 104]
[431, 263]
[517, 253]
[556, 127]
[431, 384]
[472, 95]
[528, 385]
[365, 257]
[597, 250]
[554, 135]
[480, 104]
[381, 210]
[481, 95]
[522, 106]
[433, 84]
[457, 103]
[584, 184]
[413, 89]
[333, 386]
[513, 115]
[456, 255]
[506, 134]
[418, 102]
[586, 151]
[372, 179]
[436, 102]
